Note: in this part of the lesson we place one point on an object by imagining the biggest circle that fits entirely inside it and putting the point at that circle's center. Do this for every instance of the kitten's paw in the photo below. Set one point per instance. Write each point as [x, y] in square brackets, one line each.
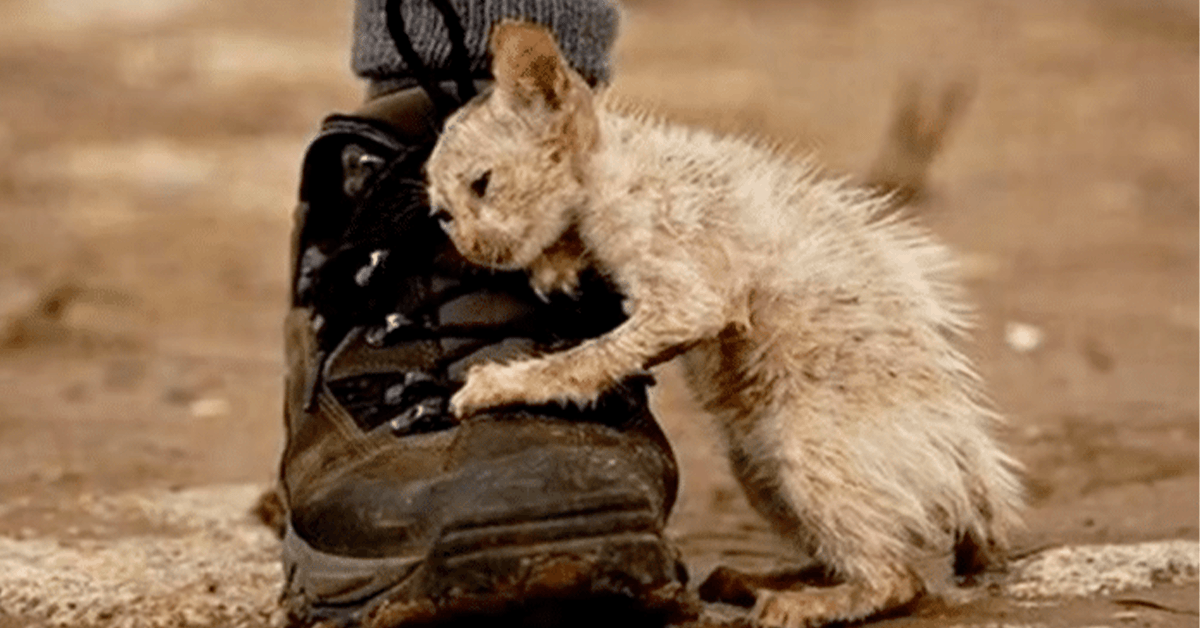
[810, 607]
[773, 610]
[530, 382]
[550, 276]
[488, 386]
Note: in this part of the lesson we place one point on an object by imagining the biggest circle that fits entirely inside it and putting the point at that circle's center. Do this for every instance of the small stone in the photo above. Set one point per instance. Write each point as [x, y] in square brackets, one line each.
[1023, 337]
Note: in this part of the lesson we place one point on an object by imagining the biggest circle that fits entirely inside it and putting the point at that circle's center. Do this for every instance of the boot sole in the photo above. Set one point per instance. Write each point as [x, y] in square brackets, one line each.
[595, 570]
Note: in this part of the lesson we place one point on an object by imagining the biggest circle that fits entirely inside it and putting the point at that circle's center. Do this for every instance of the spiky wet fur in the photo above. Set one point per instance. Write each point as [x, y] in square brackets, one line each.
[817, 329]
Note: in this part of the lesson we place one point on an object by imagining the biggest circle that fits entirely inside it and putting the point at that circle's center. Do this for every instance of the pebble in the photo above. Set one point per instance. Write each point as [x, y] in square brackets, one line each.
[1023, 337]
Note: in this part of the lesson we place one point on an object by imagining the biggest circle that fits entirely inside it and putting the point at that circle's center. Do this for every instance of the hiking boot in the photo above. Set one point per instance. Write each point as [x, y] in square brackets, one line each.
[397, 514]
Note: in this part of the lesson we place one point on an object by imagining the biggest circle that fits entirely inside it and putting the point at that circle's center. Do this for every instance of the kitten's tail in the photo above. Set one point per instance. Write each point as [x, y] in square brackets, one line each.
[915, 138]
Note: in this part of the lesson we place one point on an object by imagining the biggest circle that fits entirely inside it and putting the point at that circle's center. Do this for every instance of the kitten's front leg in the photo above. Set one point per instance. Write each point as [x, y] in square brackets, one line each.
[674, 314]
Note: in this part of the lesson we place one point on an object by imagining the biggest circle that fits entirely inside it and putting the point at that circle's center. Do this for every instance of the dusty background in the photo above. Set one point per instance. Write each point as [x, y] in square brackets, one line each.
[148, 159]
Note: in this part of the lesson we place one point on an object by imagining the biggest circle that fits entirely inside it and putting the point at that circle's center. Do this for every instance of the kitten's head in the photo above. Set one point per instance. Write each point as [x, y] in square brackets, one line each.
[510, 168]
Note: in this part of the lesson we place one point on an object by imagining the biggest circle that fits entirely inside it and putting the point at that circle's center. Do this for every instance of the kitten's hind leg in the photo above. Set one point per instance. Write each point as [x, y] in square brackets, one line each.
[805, 480]
[741, 588]
[850, 601]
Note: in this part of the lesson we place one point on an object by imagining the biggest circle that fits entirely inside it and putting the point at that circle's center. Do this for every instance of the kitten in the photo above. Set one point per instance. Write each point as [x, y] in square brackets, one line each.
[814, 328]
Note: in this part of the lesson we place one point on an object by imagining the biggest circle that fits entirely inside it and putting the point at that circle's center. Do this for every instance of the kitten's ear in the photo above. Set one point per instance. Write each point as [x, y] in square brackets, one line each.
[528, 67]
[535, 82]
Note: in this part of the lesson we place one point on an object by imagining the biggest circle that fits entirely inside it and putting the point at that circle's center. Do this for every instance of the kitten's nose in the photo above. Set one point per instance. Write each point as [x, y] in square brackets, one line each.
[440, 214]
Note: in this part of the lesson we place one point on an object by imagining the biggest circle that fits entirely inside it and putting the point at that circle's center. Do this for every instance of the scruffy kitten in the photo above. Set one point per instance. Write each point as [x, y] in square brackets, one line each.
[816, 331]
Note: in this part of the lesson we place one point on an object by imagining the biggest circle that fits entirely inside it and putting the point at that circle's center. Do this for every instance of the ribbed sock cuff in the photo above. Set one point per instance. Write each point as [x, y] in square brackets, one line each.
[585, 30]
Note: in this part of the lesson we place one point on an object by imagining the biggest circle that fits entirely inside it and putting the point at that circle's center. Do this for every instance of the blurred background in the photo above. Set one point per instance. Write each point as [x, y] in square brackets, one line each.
[149, 152]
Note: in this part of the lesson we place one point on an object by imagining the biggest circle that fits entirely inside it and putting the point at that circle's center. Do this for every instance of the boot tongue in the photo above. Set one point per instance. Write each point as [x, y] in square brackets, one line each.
[410, 112]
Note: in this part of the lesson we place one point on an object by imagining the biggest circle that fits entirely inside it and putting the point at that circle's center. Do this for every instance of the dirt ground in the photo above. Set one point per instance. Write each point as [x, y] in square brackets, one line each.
[148, 160]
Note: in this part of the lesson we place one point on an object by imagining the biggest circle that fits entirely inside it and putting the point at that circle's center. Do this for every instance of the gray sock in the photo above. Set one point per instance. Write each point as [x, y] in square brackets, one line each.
[585, 30]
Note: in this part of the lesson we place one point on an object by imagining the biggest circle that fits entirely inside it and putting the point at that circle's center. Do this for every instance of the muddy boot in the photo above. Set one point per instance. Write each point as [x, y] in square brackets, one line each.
[396, 514]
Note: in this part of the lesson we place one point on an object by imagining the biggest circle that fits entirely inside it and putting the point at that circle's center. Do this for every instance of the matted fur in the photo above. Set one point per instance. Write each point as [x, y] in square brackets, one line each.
[816, 328]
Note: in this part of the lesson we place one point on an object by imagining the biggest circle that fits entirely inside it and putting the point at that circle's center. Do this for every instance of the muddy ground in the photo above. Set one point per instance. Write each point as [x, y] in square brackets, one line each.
[148, 159]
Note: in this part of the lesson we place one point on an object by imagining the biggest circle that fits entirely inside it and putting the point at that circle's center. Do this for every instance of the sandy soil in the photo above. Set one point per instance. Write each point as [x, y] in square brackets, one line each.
[148, 158]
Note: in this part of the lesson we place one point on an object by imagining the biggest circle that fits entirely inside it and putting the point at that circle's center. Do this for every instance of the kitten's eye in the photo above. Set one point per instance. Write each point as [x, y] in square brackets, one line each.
[479, 186]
